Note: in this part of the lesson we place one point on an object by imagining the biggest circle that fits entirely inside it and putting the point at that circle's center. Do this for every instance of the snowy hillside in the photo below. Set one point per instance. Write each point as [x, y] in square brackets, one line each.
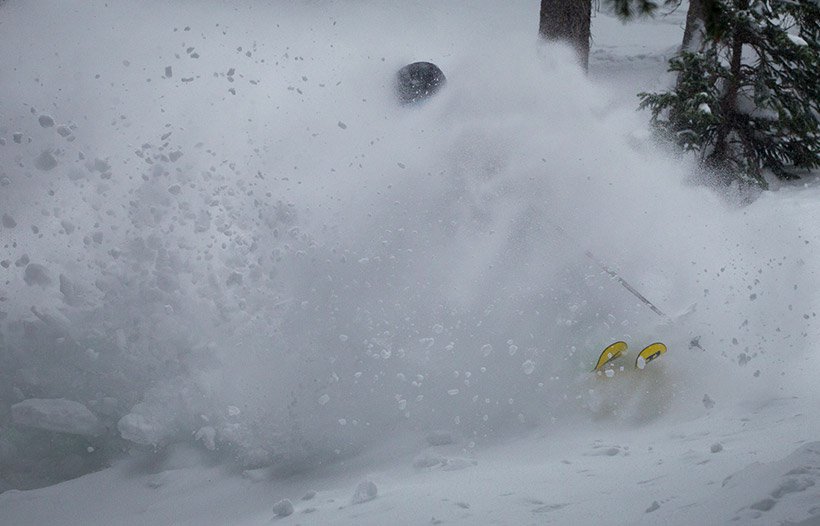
[234, 271]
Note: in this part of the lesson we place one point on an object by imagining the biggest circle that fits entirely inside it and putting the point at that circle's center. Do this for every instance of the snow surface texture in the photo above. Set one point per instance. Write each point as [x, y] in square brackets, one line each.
[224, 239]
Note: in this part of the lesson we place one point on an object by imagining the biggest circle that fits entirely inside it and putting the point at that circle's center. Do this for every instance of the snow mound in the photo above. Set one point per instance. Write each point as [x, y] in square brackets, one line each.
[283, 508]
[57, 414]
[780, 491]
[366, 491]
[142, 429]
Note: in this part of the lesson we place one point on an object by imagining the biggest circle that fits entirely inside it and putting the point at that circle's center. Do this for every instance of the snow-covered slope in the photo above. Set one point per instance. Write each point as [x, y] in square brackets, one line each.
[737, 463]
[256, 277]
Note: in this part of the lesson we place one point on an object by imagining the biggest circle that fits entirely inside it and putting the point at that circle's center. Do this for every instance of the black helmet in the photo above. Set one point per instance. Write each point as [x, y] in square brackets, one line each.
[418, 81]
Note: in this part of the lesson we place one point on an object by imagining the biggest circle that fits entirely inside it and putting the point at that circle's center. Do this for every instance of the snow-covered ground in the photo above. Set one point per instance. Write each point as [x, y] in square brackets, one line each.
[235, 270]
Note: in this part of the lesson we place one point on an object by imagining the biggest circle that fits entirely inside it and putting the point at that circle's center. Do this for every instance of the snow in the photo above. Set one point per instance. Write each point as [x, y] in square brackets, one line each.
[366, 491]
[8, 221]
[64, 416]
[36, 275]
[46, 121]
[797, 40]
[283, 508]
[277, 286]
[541, 477]
[142, 429]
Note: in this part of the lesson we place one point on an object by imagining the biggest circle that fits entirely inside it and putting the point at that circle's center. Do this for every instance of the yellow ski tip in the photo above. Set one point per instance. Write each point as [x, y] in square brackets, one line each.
[650, 353]
[610, 353]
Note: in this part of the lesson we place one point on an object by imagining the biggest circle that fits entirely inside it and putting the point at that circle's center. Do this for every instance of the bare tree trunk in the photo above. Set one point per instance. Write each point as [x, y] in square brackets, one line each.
[567, 20]
[693, 33]
[721, 154]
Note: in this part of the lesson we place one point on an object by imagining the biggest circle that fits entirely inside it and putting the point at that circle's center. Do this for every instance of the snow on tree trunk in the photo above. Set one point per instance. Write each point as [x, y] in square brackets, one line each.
[568, 21]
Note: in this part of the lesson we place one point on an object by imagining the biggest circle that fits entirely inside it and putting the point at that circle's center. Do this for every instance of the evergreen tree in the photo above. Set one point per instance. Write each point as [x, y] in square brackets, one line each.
[747, 95]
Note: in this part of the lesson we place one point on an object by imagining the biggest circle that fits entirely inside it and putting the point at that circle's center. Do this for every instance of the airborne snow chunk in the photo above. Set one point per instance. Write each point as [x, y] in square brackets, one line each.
[528, 367]
[207, 435]
[708, 403]
[45, 161]
[283, 508]
[69, 291]
[9, 221]
[141, 429]
[426, 461]
[440, 438]
[56, 414]
[458, 463]
[309, 495]
[36, 275]
[54, 319]
[365, 491]
[46, 121]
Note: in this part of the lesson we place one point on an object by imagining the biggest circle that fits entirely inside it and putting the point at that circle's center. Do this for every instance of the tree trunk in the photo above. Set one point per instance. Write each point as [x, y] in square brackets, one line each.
[721, 154]
[695, 29]
[567, 20]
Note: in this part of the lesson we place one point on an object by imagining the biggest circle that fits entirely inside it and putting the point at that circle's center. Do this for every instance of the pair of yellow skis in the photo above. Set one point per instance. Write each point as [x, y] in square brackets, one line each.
[617, 349]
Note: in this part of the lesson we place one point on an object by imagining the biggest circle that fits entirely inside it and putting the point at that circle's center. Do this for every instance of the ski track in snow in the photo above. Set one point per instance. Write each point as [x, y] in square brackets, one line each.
[726, 436]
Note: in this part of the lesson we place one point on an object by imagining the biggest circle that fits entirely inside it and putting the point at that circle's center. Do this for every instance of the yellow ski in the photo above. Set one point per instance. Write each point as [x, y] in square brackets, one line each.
[610, 353]
[648, 354]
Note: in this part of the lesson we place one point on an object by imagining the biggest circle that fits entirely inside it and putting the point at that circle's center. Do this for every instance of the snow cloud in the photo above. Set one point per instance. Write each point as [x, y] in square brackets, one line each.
[223, 221]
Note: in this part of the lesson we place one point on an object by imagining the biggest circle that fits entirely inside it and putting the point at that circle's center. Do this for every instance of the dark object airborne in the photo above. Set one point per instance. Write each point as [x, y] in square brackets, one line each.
[418, 81]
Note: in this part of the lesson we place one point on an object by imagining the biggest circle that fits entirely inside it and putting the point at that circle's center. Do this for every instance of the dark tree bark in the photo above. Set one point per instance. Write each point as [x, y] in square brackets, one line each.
[729, 101]
[568, 21]
[695, 25]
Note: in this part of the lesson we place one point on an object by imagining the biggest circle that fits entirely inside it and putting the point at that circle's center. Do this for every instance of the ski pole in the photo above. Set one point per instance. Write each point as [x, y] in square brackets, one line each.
[695, 342]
